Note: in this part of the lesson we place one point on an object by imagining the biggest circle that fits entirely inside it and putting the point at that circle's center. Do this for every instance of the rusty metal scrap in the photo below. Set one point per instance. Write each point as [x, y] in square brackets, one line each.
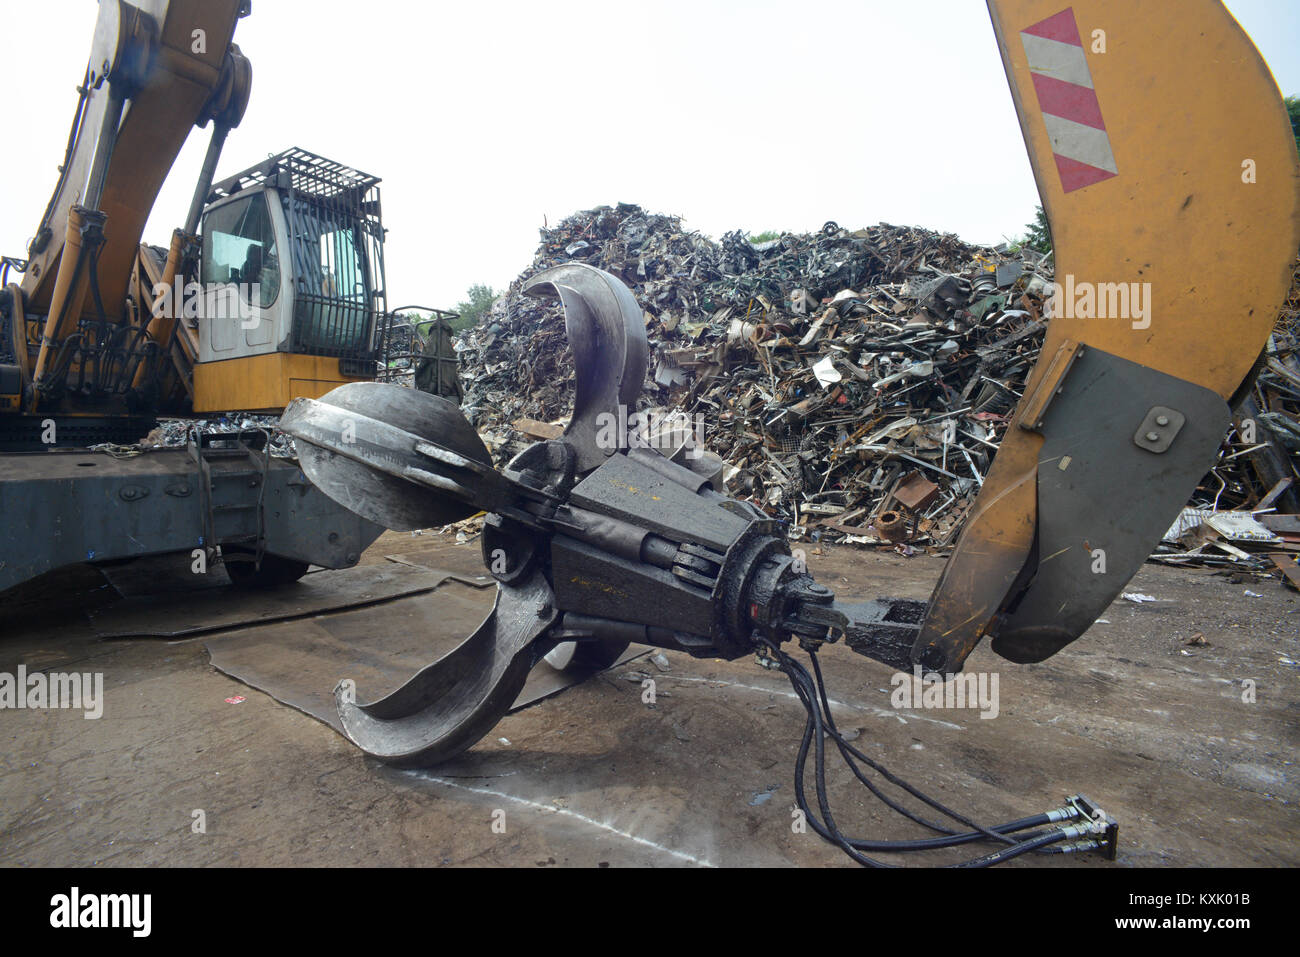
[848, 379]
[1244, 512]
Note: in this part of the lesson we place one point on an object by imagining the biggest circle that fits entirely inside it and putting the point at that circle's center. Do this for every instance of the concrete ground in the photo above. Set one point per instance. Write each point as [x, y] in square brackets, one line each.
[1164, 734]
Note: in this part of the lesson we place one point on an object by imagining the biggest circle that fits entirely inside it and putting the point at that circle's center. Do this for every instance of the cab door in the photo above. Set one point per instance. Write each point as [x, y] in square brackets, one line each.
[244, 287]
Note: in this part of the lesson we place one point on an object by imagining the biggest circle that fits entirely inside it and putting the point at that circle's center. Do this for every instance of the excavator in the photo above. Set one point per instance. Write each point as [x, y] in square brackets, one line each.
[273, 289]
[1164, 158]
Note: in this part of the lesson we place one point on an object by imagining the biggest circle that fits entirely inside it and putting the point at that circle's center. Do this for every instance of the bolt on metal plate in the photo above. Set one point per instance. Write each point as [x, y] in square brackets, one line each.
[1159, 428]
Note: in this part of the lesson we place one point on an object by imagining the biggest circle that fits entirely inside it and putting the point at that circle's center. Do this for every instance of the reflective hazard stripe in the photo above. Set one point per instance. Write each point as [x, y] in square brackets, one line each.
[1069, 104]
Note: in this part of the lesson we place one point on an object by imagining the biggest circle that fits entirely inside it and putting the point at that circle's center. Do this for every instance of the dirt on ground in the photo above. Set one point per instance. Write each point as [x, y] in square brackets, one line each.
[1178, 716]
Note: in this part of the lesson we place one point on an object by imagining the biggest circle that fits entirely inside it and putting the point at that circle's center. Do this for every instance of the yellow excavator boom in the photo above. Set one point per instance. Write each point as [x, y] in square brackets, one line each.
[1168, 171]
[164, 59]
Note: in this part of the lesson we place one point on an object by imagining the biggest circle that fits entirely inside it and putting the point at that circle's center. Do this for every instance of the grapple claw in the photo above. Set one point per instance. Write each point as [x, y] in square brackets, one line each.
[409, 460]
[450, 704]
[590, 540]
[606, 330]
[359, 444]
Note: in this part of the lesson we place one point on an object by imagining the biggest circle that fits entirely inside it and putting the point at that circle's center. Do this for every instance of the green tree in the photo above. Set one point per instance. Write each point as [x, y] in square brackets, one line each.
[475, 308]
[1293, 109]
[1038, 236]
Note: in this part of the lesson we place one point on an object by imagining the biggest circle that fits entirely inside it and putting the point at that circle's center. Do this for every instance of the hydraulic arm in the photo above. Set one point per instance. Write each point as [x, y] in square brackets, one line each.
[1167, 167]
[156, 69]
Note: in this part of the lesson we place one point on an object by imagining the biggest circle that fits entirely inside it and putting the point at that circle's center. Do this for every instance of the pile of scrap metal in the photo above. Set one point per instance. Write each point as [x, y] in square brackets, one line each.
[177, 433]
[1246, 513]
[855, 383]
[401, 349]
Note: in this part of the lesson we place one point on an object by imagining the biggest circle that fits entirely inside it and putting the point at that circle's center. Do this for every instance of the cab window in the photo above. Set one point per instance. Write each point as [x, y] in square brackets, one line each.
[341, 267]
[239, 247]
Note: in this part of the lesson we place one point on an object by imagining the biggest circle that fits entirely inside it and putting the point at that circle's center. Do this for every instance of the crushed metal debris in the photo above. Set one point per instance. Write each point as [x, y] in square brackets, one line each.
[856, 383]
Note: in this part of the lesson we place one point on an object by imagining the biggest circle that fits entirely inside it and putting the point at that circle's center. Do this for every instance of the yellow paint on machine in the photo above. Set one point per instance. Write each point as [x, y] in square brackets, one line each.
[265, 383]
[1206, 205]
[1203, 212]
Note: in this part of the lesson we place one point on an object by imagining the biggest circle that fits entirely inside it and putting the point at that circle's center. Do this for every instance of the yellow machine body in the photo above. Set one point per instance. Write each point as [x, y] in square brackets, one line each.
[268, 382]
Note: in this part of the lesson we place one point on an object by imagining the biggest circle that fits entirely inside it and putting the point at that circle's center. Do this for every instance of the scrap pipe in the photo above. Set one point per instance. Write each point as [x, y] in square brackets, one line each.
[1268, 464]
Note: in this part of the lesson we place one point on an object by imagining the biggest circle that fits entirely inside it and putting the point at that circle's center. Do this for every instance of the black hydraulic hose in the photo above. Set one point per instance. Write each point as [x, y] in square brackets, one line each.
[102, 334]
[831, 832]
[813, 696]
[813, 731]
[63, 358]
[870, 785]
[109, 344]
[132, 356]
[846, 749]
[83, 92]
[1007, 853]
[934, 843]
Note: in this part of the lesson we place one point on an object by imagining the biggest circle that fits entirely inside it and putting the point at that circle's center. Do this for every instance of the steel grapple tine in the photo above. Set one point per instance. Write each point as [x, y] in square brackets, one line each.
[606, 330]
[361, 445]
[408, 460]
[450, 704]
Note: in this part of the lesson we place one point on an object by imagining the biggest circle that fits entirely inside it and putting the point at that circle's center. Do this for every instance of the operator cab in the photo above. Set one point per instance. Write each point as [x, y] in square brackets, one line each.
[292, 264]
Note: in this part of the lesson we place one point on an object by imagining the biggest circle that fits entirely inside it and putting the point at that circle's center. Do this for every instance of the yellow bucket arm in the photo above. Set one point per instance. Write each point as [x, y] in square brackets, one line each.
[1168, 171]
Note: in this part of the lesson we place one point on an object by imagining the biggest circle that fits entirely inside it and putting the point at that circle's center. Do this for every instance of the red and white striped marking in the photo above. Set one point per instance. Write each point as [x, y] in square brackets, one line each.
[1071, 112]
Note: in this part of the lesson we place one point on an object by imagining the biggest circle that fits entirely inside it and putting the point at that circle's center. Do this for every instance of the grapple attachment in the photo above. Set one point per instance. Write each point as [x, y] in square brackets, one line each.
[450, 704]
[590, 539]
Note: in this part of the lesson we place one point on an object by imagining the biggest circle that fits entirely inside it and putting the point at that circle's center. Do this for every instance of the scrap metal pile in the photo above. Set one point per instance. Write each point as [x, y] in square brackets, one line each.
[1246, 512]
[401, 347]
[856, 384]
[177, 433]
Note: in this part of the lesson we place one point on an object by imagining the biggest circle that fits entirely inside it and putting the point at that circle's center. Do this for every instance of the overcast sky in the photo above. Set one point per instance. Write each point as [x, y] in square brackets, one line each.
[486, 119]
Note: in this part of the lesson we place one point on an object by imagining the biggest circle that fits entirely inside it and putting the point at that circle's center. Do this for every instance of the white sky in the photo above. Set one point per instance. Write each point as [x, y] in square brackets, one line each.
[484, 118]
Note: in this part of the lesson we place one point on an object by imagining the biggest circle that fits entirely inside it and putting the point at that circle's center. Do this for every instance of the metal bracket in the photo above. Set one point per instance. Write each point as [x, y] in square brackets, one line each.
[1102, 502]
[1050, 385]
[1159, 429]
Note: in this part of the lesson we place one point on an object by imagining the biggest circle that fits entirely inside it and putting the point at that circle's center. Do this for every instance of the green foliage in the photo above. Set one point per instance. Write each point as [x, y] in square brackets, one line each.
[463, 322]
[419, 322]
[423, 324]
[1293, 109]
[765, 237]
[475, 308]
[1038, 235]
